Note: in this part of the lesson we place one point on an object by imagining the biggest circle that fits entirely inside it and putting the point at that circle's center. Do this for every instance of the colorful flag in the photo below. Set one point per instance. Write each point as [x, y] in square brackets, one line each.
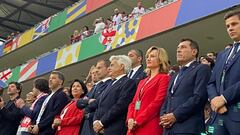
[126, 33]
[76, 11]
[5, 75]
[26, 37]
[57, 21]
[15, 75]
[107, 36]
[1, 50]
[46, 63]
[91, 47]
[15, 42]
[7, 47]
[68, 55]
[42, 28]
[28, 70]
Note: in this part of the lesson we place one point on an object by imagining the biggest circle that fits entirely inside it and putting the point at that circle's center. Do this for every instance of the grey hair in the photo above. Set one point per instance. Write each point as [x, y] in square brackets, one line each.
[123, 59]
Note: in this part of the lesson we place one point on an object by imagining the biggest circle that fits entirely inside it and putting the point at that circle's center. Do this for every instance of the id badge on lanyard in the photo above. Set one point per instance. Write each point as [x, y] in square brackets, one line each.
[137, 105]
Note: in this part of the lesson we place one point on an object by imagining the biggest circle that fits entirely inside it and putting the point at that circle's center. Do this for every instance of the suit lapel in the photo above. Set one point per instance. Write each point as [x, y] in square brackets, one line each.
[172, 82]
[225, 56]
[190, 68]
[138, 72]
[234, 59]
[115, 85]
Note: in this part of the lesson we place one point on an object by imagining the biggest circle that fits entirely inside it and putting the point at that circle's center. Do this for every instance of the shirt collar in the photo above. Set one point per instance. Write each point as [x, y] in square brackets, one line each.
[119, 77]
[188, 64]
[105, 79]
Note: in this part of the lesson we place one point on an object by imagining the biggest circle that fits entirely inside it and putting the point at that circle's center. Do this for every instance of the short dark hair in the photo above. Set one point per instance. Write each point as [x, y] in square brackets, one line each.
[138, 52]
[18, 86]
[42, 85]
[214, 54]
[60, 75]
[84, 87]
[193, 44]
[232, 13]
[106, 62]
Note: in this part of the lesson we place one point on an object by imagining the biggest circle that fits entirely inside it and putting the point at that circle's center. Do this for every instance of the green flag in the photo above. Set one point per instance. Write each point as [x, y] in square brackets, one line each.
[15, 75]
[90, 47]
[58, 21]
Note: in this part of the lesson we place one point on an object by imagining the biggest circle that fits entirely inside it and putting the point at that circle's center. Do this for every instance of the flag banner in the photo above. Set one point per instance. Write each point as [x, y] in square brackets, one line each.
[78, 10]
[68, 55]
[28, 70]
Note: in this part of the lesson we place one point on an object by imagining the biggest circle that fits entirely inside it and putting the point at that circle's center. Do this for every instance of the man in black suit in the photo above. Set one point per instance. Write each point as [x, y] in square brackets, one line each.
[183, 109]
[83, 103]
[110, 116]
[137, 71]
[10, 115]
[52, 106]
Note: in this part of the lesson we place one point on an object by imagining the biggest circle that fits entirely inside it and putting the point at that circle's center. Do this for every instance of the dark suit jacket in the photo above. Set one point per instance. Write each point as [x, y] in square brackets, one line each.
[139, 75]
[54, 107]
[188, 100]
[10, 118]
[33, 114]
[89, 111]
[231, 89]
[113, 105]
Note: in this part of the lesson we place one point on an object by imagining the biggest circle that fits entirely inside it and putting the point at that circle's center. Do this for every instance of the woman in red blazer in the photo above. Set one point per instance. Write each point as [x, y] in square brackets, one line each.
[143, 112]
[69, 122]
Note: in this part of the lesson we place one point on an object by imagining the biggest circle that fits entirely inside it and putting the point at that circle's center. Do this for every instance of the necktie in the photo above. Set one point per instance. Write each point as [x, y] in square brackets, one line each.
[233, 53]
[179, 76]
[130, 74]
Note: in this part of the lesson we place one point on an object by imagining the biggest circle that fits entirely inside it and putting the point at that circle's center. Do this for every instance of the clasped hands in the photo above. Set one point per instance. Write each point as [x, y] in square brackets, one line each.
[167, 120]
[218, 105]
[98, 127]
[132, 124]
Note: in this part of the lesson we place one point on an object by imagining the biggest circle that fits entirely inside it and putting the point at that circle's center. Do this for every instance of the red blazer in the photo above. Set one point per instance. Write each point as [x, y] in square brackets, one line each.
[71, 119]
[153, 95]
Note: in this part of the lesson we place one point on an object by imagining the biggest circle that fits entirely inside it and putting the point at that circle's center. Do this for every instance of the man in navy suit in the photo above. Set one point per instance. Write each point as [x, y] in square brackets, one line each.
[83, 103]
[137, 72]
[10, 115]
[110, 116]
[224, 85]
[52, 106]
[183, 109]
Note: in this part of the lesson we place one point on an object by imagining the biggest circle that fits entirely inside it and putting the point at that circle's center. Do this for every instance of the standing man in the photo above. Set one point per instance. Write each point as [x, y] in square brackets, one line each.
[52, 106]
[10, 115]
[183, 110]
[224, 85]
[137, 72]
[84, 103]
[110, 116]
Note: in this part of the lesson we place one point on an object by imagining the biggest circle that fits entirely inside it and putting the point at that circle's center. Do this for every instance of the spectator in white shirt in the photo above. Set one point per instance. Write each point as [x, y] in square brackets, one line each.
[117, 17]
[99, 25]
[139, 10]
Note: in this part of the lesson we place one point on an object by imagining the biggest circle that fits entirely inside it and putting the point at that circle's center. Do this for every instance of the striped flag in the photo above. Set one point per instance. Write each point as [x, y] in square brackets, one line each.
[7, 47]
[15, 43]
[41, 29]
[4, 76]
[28, 71]
[76, 11]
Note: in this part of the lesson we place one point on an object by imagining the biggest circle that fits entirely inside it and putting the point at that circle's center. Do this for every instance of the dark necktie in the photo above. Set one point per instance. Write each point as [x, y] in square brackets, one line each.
[180, 74]
[130, 74]
[233, 54]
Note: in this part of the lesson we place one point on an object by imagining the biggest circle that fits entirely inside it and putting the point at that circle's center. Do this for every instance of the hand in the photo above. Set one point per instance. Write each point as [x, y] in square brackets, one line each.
[1, 103]
[167, 120]
[217, 103]
[19, 103]
[132, 124]
[57, 122]
[97, 126]
[222, 110]
[101, 131]
[91, 100]
[35, 130]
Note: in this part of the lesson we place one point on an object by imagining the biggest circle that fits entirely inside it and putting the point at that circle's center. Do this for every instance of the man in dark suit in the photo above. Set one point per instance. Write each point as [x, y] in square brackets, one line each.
[10, 115]
[110, 116]
[83, 103]
[183, 109]
[52, 106]
[137, 71]
[224, 85]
